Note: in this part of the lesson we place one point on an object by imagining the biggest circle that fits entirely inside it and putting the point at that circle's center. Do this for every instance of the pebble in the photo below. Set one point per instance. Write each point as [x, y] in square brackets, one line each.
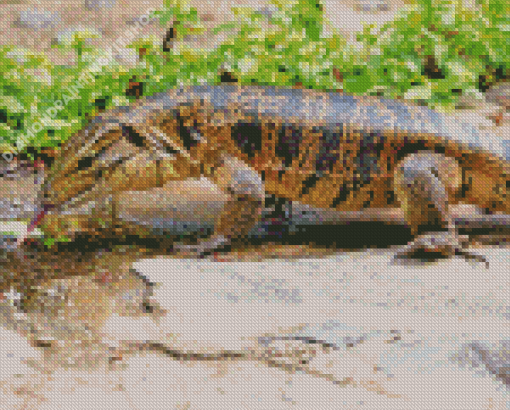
[499, 94]
[99, 4]
[38, 20]
[371, 6]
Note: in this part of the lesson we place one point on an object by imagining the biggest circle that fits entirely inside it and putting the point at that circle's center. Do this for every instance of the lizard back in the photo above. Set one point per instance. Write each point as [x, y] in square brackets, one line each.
[318, 148]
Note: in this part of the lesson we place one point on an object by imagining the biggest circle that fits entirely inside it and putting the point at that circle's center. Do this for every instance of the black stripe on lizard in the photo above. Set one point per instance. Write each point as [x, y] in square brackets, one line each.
[288, 143]
[325, 159]
[366, 167]
[190, 136]
[248, 137]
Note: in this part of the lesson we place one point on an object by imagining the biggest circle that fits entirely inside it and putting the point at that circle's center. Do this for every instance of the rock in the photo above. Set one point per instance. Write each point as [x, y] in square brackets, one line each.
[38, 20]
[499, 94]
[371, 6]
[492, 360]
[19, 186]
[99, 4]
[268, 11]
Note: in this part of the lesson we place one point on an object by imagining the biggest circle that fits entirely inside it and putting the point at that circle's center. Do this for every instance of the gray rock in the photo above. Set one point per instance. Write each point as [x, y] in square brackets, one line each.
[371, 6]
[484, 359]
[19, 186]
[499, 94]
[268, 11]
[99, 4]
[37, 20]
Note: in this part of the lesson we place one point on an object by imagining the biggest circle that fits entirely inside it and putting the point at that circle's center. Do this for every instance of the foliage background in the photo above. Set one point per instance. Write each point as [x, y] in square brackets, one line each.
[433, 52]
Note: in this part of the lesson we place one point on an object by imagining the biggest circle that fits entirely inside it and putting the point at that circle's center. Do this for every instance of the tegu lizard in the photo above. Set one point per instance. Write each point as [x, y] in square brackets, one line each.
[135, 170]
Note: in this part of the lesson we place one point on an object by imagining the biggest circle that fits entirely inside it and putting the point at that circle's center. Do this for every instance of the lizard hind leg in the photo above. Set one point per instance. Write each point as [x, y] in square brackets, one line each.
[424, 182]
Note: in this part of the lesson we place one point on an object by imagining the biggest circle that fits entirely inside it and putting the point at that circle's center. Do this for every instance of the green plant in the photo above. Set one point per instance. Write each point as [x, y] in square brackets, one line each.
[438, 50]
[434, 51]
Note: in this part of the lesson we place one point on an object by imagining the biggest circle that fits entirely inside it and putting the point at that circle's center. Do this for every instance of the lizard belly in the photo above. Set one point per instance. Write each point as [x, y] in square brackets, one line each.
[180, 207]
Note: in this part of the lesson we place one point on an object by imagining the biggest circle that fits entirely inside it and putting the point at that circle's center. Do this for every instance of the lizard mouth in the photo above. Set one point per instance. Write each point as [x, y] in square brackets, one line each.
[38, 217]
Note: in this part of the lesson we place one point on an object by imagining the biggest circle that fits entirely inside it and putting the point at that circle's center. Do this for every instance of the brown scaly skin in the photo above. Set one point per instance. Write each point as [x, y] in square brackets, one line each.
[315, 148]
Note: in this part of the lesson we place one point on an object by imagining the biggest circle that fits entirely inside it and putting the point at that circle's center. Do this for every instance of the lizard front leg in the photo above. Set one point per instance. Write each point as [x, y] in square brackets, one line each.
[245, 191]
[423, 183]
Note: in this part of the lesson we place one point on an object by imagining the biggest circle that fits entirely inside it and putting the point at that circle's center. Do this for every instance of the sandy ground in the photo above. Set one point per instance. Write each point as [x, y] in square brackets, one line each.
[348, 330]
[310, 328]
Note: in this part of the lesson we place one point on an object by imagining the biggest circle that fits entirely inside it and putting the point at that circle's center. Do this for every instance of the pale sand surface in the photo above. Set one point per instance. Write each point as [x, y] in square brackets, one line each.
[404, 336]
[401, 336]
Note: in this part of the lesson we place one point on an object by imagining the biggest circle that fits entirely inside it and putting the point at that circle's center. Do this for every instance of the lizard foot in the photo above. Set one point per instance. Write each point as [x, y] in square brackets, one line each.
[439, 245]
[203, 248]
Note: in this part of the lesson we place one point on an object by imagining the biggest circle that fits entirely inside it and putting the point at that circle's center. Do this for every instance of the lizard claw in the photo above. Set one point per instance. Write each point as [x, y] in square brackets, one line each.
[439, 245]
